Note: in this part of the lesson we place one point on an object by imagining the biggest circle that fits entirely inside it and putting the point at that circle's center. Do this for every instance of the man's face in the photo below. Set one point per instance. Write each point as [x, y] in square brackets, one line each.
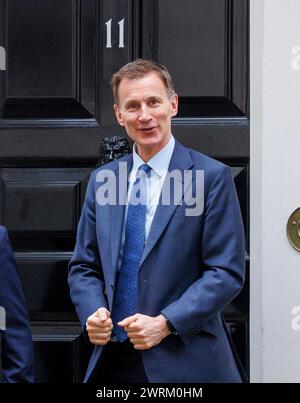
[145, 110]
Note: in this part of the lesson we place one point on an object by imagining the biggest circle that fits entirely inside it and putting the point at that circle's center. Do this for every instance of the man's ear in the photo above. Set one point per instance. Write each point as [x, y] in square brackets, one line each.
[118, 115]
[174, 101]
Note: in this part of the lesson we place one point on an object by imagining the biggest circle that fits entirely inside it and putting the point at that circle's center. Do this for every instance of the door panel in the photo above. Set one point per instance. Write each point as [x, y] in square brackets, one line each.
[198, 71]
[204, 45]
[50, 74]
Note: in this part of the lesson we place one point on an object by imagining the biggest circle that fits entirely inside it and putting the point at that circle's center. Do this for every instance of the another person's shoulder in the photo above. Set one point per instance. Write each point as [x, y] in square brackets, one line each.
[3, 233]
[5, 247]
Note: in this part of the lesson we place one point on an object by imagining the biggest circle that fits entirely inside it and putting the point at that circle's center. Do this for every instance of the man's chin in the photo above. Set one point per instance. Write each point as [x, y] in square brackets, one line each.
[148, 140]
[149, 144]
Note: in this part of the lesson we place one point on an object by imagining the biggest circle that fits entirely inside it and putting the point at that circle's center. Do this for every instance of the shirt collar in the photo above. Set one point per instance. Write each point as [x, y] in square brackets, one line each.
[160, 162]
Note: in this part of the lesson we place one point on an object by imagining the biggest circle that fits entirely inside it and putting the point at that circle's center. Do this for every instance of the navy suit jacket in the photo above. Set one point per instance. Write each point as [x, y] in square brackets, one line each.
[191, 268]
[16, 351]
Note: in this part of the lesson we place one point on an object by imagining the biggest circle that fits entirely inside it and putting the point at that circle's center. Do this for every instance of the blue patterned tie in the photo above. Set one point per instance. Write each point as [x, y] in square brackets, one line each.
[125, 303]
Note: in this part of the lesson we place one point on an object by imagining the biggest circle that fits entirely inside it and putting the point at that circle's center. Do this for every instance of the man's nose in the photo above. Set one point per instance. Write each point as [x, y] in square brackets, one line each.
[144, 114]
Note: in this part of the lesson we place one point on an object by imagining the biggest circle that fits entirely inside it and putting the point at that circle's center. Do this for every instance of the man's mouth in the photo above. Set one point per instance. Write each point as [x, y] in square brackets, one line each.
[147, 129]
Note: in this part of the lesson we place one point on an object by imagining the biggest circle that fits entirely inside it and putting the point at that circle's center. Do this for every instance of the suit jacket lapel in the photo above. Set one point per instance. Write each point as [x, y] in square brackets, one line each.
[181, 160]
[117, 212]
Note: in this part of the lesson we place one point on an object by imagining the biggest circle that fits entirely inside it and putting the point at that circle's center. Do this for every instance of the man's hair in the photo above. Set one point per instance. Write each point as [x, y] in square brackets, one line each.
[138, 69]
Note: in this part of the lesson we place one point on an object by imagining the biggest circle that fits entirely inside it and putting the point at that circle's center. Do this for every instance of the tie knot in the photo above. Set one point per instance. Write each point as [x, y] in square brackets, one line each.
[144, 168]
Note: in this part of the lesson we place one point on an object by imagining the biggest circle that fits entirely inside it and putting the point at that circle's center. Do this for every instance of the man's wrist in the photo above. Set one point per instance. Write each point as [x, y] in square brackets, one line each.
[169, 325]
[163, 324]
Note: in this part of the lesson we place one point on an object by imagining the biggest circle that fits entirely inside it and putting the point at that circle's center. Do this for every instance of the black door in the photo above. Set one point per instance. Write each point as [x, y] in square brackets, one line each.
[56, 107]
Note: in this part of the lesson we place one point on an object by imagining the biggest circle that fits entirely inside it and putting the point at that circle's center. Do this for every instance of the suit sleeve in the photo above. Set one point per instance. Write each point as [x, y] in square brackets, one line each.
[223, 260]
[16, 354]
[85, 276]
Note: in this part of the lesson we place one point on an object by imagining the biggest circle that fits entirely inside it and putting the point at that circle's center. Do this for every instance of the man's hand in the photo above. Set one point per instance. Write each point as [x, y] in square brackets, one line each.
[145, 331]
[99, 327]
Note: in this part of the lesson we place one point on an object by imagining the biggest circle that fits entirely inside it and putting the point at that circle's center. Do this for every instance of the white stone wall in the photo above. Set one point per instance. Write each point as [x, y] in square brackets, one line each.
[275, 189]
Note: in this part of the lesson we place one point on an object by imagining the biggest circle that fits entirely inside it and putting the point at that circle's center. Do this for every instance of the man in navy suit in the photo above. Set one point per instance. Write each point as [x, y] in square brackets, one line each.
[149, 279]
[16, 348]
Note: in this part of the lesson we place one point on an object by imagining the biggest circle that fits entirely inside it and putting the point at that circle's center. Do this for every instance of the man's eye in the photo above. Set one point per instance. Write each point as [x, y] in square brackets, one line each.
[153, 102]
[132, 107]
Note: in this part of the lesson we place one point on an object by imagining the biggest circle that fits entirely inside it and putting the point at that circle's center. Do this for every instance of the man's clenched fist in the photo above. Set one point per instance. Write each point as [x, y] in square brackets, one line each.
[99, 327]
